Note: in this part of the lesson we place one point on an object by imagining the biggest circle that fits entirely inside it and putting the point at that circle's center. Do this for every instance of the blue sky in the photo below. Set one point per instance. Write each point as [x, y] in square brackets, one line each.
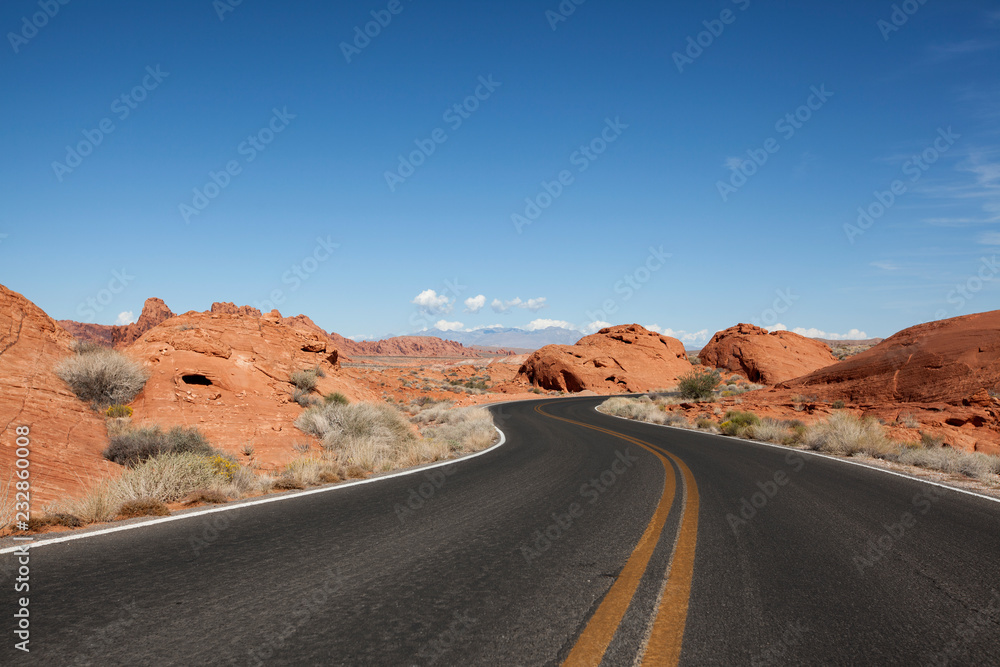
[203, 151]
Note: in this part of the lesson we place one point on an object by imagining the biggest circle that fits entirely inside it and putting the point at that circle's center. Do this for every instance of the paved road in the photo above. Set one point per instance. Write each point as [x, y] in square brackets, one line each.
[567, 544]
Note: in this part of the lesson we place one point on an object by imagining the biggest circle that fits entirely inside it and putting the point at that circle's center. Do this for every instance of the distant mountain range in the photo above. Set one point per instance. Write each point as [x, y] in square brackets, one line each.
[503, 337]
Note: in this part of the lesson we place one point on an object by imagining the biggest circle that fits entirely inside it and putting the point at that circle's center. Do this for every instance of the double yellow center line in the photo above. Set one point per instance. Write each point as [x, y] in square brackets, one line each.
[663, 646]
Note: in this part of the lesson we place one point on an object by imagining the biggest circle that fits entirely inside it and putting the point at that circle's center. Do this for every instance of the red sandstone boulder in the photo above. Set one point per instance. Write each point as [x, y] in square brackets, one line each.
[626, 358]
[767, 358]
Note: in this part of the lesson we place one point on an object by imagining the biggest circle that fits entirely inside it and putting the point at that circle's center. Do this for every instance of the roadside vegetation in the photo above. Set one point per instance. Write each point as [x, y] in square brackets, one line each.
[101, 376]
[842, 434]
[180, 465]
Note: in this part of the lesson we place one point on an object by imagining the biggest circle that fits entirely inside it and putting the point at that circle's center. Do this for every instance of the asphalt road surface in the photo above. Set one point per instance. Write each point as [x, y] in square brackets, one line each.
[584, 539]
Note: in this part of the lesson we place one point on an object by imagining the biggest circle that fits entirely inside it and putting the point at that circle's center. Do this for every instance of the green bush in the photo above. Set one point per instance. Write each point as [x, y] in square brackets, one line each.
[699, 385]
[102, 377]
[336, 397]
[739, 424]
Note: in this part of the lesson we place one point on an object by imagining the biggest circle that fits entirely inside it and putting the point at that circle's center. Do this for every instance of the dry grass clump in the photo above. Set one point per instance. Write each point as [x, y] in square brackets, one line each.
[846, 435]
[101, 376]
[641, 409]
[166, 479]
[142, 507]
[374, 436]
[459, 431]
[205, 496]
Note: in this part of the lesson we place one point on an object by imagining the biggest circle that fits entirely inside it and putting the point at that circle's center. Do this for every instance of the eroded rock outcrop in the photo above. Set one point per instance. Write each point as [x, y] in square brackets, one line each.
[227, 372]
[763, 357]
[616, 359]
[66, 435]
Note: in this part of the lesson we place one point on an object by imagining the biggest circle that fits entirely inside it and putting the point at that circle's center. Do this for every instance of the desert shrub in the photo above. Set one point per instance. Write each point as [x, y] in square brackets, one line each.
[167, 478]
[930, 441]
[838, 405]
[305, 380]
[303, 398]
[699, 385]
[102, 377]
[945, 459]
[845, 434]
[118, 411]
[336, 397]
[287, 484]
[739, 424]
[770, 430]
[207, 496]
[142, 507]
[86, 347]
[465, 430]
[366, 433]
[704, 423]
[133, 446]
[641, 409]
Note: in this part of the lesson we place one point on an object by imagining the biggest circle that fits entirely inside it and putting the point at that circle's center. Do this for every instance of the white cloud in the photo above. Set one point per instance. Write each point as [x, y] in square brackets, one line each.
[693, 337]
[534, 305]
[127, 317]
[433, 303]
[499, 306]
[535, 325]
[853, 334]
[444, 325]
[990, 238]
[886, 266]
[596, 326]
[475, 304]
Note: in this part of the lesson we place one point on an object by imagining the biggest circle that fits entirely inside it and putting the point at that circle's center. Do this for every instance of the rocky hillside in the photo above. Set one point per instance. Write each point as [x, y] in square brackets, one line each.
[67, 437]
[154, 311]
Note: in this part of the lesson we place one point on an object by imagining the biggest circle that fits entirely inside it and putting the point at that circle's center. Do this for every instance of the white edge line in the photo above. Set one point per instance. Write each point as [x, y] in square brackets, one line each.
[812, 453]
[251, 503]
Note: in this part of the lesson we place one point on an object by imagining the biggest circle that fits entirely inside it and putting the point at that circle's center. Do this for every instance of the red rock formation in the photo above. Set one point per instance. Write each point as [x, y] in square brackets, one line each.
[939, 374]
[67, 437]
[767, 358]
[230, 308]
[616, 359]
[154, 311]
[949, 361]
[228, 374]
[409, 346]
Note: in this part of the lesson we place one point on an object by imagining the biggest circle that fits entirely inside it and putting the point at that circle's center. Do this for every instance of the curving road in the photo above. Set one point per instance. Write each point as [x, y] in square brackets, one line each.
[584, 539]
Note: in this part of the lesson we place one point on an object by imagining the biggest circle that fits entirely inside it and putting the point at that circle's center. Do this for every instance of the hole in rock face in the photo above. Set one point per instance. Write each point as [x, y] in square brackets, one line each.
[196, 378]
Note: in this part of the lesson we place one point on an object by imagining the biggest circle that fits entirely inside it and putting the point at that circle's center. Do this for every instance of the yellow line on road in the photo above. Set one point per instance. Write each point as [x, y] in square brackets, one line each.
[593, 642]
